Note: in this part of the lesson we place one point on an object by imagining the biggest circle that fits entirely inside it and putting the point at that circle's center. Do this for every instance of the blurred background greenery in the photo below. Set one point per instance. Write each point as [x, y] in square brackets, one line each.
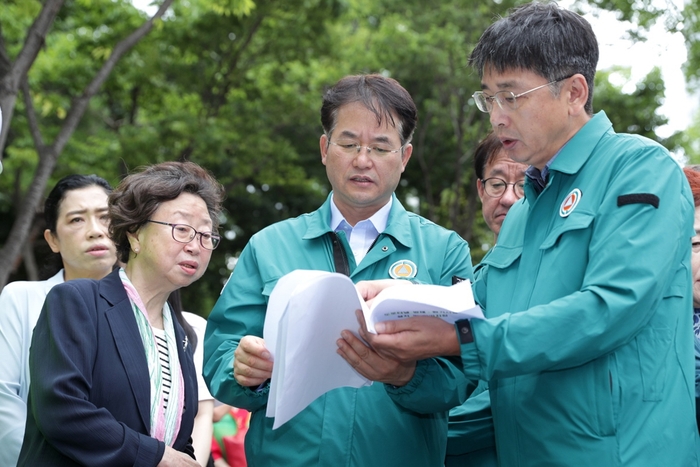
[236, 86]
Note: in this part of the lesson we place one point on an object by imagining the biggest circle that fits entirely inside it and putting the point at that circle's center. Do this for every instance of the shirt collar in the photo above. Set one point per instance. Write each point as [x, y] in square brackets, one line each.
[379, 219]
[538, 177]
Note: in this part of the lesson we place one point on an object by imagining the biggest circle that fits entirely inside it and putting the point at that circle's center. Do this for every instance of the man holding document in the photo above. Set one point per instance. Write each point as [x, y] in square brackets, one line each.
[362, 231]
[587, 345]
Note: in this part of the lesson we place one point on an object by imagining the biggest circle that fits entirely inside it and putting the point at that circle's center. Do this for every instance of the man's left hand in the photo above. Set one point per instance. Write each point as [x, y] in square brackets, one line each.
[371, 365]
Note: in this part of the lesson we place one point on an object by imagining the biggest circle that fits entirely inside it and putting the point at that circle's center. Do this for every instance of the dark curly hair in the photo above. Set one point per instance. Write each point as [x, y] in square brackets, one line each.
[140, 194]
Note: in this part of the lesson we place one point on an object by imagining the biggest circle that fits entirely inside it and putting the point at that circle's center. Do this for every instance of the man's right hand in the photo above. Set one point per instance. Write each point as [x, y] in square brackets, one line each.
[413, 339]
[252, 363]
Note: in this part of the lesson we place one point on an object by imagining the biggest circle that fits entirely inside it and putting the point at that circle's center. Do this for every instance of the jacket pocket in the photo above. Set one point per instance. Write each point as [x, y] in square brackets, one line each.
[268, 287]
[497, 261]
[653, 345]
[501, 257]
[576, 221]
[676, 290]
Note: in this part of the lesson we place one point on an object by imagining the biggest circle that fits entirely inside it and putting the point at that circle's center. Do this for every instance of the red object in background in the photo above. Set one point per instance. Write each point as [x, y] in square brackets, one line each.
[235, 451]
[233, 445]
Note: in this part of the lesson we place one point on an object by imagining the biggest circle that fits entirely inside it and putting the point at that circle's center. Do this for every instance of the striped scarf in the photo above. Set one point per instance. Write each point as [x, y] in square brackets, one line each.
[165, 421]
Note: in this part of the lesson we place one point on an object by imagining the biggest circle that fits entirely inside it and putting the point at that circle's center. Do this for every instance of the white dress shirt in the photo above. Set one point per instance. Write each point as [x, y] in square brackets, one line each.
[364, 233]
[20, 306]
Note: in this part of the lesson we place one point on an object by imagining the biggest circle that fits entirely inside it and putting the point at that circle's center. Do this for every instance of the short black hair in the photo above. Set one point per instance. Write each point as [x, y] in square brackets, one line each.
[383, 96]
[550, 41]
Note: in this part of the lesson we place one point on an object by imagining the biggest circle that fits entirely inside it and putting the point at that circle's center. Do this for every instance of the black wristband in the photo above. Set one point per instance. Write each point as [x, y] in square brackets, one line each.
[464, 328]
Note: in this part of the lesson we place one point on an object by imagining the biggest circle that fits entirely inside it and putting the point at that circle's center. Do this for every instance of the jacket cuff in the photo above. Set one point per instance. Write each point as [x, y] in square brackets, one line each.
[412, 385]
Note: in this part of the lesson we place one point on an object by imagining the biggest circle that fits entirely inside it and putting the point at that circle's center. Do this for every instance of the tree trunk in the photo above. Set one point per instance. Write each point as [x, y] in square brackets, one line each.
[10, 81]
[28, 257]
[48, 154]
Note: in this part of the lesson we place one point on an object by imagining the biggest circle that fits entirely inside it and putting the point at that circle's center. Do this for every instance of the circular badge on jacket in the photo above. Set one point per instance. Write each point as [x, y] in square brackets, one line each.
[570, 202]
[403, 269]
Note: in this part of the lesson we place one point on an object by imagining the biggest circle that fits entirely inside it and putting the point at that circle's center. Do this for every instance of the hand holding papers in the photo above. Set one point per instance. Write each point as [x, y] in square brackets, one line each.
[305, 315]
[406, 301]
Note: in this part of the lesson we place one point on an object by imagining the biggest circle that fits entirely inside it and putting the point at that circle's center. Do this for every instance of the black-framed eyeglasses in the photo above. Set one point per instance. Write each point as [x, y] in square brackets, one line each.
[495, 187]
[506, 100]
[184, 233]
[352, 149]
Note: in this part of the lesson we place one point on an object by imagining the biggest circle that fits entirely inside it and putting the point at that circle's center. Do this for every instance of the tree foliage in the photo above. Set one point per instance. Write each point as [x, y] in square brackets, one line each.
[15, 77]
[675, 16]
[236, 86]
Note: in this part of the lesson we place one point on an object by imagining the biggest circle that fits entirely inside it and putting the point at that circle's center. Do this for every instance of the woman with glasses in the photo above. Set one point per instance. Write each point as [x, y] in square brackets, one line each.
[113, 381]
[75, 214]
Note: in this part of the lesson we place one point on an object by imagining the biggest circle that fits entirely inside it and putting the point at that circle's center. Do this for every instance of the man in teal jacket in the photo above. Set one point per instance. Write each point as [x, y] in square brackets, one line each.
[588, 342]
[363, 231]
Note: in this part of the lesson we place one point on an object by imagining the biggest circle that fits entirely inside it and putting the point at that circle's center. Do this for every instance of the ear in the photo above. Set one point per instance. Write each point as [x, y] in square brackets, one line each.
[52, 241]
[323, 144]
[134, 242]
[480, 190]
[406, 155]
[577, 89]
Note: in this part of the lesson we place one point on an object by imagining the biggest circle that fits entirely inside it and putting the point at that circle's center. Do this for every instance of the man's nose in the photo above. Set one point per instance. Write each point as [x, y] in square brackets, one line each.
[509, 197]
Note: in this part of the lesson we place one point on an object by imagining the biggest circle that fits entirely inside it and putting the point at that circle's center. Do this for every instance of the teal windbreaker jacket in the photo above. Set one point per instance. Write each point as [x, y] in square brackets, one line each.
[345, 427]
[588, 345]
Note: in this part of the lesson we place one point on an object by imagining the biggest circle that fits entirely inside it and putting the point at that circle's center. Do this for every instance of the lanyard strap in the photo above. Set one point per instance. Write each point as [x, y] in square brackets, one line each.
[340, 258]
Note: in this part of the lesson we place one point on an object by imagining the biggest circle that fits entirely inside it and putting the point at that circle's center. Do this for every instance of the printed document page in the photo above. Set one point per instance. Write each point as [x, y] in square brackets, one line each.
[449, 303]
[307, 311]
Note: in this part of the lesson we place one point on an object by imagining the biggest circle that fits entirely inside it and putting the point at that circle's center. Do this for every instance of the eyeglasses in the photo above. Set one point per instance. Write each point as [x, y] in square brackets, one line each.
[506, 99]
[184, 233]
[351, 149]
[495, 187]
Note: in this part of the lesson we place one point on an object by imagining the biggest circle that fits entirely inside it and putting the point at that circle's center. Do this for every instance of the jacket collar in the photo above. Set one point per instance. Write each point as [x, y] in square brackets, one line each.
[579, 148]
[125, 331]
[397, 226]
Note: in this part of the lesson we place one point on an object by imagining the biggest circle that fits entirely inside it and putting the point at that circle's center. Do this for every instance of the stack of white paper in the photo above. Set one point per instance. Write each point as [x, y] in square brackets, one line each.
[305, 315]
[308, 310]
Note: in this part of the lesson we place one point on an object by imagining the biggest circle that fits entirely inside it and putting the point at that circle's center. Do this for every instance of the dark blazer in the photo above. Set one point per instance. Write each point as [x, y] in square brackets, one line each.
[89, 398]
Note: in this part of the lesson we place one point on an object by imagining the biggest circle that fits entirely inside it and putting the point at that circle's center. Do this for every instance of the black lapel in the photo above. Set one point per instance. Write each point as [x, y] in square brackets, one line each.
[127, 339]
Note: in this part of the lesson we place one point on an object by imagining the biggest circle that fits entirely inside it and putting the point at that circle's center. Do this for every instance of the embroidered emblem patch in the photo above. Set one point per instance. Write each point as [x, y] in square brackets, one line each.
[570, 202]
[403, 269]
